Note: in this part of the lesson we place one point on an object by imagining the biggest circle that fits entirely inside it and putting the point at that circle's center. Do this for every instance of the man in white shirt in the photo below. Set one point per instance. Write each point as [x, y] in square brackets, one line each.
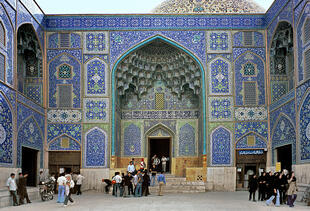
[79, 181]
[11, 184]
[131, 168]
[61, 181]
[164, 163]
[118, 180]
[69, 185]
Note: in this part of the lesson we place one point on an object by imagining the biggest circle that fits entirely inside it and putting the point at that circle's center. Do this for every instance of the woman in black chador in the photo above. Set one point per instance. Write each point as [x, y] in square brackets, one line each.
[253, 184]
[146, 184]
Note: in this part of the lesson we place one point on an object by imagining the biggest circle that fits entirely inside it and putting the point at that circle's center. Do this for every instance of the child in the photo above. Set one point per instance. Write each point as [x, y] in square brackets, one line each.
[69, 185]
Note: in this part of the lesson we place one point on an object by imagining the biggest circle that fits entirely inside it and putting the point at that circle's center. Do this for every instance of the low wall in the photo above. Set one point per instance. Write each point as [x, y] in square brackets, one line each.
[93, 179]
[221, 179]
[5, 174]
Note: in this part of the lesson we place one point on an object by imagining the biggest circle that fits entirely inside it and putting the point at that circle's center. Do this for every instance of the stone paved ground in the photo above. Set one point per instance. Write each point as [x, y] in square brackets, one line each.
[92, 201]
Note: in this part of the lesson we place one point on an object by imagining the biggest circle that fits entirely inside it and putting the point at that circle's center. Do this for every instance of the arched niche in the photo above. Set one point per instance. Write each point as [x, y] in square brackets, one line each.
[29, 63]
[282, 61]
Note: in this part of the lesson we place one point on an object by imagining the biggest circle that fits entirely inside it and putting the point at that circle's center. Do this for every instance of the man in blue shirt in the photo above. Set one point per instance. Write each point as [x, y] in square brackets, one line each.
[161, 181]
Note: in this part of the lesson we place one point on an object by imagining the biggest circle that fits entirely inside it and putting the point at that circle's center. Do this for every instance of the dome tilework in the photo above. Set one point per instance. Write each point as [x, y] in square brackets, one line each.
[208, 7]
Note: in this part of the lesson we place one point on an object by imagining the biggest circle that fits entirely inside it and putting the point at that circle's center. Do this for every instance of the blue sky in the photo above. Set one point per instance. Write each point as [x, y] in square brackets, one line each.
[107, 6]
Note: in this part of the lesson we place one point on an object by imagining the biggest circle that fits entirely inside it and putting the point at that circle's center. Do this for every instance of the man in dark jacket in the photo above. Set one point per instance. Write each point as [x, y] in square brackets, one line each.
[283, 187]
[253, 184]
[262, 187]
[128, 184]
[22, 188]
[146, 184]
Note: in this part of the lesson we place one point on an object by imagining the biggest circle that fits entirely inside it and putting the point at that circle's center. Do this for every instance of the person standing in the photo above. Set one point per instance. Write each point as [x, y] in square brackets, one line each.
[155, 161]
[42, 178]
[61, 181]
[292, 190]
[253, 187]
[142, 165]
[22, 188]
[11, 184]
[153, 171]
[262, 186]
[135, 182]
[138, 191]
[68, 189]
[128, 185]
[146, 184]
[79, 181]
[161, 181]
[164, 163]
[118, 180]
[282, 188]
[131, 168]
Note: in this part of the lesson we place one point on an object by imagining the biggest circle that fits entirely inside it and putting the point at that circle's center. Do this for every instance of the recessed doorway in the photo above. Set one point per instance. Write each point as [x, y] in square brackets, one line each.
[160, 147]
[29, 165]
[284, 155]
[66, 161]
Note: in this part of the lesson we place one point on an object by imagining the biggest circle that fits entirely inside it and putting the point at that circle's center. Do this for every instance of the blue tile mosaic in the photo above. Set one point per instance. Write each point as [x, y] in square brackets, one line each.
[31, 127]
[57, 130]
[96, 42]
[121, 41]
[96, 76]
[6, 132]
[132, 140]
[96, 110]
[243, 143]
[187, 141]
[221, 147]
[219, 42]
[220, 80]
[54, 80]
[301, 46]
[242, 128]
[259, 78]
[51, 54]
[29, 103]
[75, 40]
[7, 51]
[304, 129]
[284, 134]
[34, 92]
[284, 99]
[284, 15]
[31, 136]
[287, 109]
[171, 124]
[221, 108]
[53, 40]
[274, 10]
[56, 145]
[23, 16]
[95, 148]
[104, 57]
[121, 22]
[184, 114]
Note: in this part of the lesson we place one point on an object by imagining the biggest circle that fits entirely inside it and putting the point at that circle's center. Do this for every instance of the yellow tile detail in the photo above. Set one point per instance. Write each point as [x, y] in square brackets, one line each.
[159, 101]
[64, 142]
[251, 140]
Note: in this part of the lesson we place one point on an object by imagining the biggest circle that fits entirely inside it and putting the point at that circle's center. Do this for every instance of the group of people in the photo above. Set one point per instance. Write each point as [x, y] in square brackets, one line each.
[18, 187]
[155, 161]
[65, 184]
[279, 188]
[136, 182]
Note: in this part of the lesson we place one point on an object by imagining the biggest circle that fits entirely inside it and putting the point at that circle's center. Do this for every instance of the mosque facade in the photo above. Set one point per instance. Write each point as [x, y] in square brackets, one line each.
[221, 88]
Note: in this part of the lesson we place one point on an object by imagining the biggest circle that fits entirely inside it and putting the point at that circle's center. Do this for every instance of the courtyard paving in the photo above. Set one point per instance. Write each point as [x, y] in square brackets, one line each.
[93, 201]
